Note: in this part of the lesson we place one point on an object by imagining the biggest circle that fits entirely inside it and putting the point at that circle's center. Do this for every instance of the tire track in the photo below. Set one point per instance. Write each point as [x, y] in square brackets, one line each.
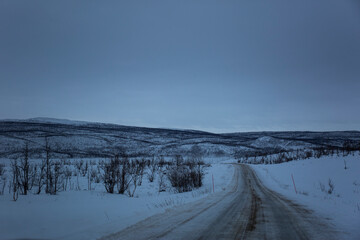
[246, 211]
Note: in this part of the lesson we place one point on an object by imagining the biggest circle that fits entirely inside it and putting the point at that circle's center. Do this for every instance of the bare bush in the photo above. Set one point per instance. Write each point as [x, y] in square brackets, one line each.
[134, 171]
[185, 176]
[153, 168]
[67, 178]
[123, 176]
[110, 174]
[116, 173]
[26, 172]
[48, 162]
[79, 164]
[15, 179]
[40, 170]
[141, 167]
[92, 176]
[57, 172]
[84, 169]
[2, 178]
[196, 172]
[331, 186]
[161, 181]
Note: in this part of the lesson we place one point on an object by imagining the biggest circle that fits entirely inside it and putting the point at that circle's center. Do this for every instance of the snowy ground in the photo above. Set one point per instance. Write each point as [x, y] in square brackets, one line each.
[92, 214]
[341, 208]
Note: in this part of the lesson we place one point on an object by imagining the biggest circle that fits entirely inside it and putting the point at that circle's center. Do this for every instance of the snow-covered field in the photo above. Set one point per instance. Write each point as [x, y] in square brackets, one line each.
[91, 214]
[341, 208]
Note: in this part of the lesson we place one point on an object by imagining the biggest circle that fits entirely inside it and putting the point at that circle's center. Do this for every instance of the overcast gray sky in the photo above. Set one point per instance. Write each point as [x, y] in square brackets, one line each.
[220, 66]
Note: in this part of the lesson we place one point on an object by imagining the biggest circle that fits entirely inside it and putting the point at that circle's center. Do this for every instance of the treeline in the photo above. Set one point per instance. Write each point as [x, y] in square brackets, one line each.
[348, 148]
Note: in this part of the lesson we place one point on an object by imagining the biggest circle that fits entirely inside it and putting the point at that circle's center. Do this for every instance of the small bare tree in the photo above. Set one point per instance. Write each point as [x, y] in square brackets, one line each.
[80, 166]
[2, 178]
[161, 181]
[134, 172]
[345, 167]
[25, 172]
[153, 168]
[92, 176]
[123, 178]
[110, 174]
[331, 186]
[40, 170]
[67, 177]
[48, 176]
[15, 179]
[141, 165]
[57, 173]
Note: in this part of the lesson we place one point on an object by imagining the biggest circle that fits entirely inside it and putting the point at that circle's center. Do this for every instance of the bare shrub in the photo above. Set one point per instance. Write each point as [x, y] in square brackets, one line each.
[79, 164]
[57, 172]
[2, 169]
[48, 176]
[141, 168]
[67, 178]
[25, 176]
[123, 176]
[92, 176]
[2, 178]
[134, 172]
[161, 181]
[153, 168]
[331, 186]
[84, 168]
[110, 174]
[15, 179]
[185, 176]
[40, 174]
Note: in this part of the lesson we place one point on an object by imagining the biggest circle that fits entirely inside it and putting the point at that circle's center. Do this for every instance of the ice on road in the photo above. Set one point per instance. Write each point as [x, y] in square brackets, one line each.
[247, 210]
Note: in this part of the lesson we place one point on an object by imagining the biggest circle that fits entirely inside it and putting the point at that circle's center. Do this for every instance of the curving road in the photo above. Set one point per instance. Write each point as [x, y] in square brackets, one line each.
[247, 210]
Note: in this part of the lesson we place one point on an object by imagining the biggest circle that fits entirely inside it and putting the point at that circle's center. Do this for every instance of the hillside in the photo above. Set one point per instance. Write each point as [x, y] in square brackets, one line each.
[84, 139]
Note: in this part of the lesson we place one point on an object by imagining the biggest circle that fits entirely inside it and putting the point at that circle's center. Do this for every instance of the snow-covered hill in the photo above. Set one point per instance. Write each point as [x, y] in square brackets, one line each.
[84, 139]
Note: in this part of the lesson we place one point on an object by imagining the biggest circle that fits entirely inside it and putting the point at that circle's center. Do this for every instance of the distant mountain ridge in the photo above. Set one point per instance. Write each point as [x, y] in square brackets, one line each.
[88, 139]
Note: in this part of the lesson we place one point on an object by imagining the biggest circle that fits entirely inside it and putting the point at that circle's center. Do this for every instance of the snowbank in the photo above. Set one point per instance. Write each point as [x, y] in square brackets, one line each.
[341, 208]
[92, 214]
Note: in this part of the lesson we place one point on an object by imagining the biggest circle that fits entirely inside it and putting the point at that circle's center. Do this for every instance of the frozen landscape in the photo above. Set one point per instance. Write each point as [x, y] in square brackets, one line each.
[179, 120]
[325, 168]
[85, 214]
[323, 185]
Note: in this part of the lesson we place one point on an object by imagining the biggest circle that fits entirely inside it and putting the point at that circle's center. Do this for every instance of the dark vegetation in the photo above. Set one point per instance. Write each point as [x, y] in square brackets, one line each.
[349, 147]
[95, 140]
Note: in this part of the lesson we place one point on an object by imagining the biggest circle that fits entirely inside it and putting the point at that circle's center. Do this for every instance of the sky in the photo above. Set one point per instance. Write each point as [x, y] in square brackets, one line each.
[219, 66]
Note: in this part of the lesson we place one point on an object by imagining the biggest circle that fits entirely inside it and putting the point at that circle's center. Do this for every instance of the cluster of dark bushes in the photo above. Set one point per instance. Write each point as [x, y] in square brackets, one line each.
[121, 175]
[186, 175]
[49, 175]
[126, 175]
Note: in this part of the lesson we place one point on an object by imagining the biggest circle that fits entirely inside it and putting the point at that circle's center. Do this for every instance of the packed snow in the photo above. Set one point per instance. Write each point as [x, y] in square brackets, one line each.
[339, 205]
[85, 214]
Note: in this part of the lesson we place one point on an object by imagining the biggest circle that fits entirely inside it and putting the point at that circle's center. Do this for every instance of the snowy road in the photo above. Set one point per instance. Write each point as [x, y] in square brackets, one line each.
[247, 210]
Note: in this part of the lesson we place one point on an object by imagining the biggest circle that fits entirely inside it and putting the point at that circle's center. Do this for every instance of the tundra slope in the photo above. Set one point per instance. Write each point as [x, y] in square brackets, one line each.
[247, 211]
[83, 139]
